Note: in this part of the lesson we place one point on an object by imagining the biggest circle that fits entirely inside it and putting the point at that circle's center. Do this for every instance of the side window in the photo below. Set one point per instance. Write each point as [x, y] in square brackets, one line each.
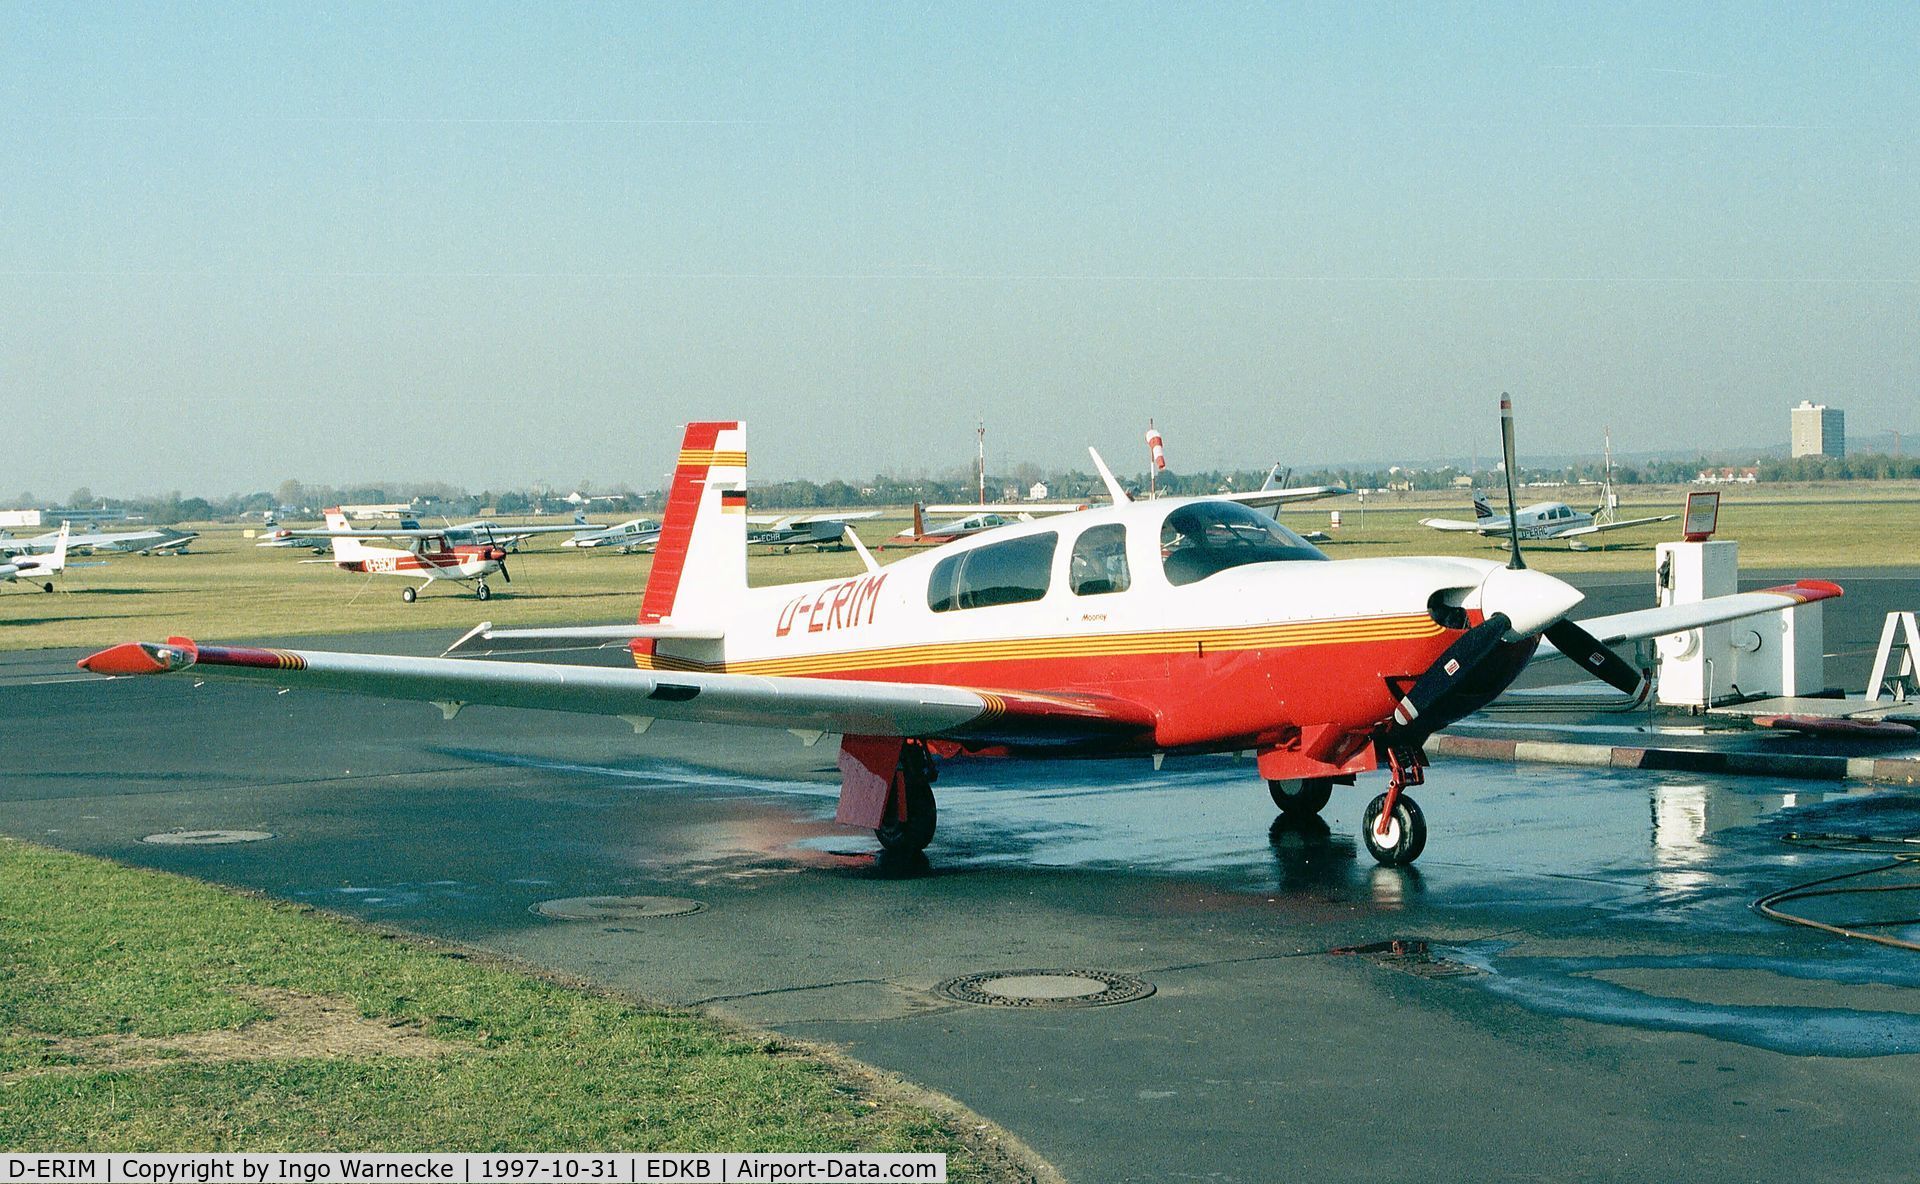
[1013, 572]
[1099, 561]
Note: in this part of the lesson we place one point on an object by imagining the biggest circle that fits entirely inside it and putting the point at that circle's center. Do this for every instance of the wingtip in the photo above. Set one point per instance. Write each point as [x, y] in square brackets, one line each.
[141, 657]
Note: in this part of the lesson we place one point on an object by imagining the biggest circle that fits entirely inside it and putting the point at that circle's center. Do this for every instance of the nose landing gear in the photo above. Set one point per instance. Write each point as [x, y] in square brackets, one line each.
[1393, 828]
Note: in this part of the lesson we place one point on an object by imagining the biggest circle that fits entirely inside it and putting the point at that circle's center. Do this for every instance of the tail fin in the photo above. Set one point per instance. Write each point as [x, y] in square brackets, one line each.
[1480, 507]
[60, 550]
[703, 536]
[344, 548]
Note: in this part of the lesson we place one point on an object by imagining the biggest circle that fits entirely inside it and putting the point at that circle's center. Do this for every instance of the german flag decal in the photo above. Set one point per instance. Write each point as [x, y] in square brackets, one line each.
[733, 501]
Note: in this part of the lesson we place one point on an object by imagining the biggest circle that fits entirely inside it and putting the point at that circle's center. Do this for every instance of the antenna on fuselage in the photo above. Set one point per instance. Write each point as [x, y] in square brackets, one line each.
[1115, 490]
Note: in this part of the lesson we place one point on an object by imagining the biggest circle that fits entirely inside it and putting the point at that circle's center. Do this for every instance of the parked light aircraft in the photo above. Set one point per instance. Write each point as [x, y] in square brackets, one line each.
[635, 534]
[158, 541]
[1542, 520]
[35, 569]
[818, 531]
[484, 532]
[425, 555]
[1183, 625]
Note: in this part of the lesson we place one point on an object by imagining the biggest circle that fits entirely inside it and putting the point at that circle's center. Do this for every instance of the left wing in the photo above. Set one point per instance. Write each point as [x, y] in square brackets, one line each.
[1015, 718]
[1597, 527]
[1678, 618]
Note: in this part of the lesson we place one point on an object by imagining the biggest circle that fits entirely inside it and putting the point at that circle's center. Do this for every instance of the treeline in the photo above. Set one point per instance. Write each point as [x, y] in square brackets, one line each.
[437, 499]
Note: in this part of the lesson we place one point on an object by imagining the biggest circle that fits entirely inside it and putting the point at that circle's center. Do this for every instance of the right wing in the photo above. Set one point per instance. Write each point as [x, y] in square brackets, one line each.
[845, 706]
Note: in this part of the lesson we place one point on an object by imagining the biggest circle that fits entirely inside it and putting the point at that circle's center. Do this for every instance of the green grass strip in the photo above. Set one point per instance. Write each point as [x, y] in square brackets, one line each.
[107, 973]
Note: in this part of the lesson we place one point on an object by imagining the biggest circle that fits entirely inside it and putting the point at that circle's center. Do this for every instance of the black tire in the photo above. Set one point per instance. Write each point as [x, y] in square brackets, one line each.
[482, 591]
[409, 594]
[1304, 797]
[1408, 837]
[904, 836]
[47, 587]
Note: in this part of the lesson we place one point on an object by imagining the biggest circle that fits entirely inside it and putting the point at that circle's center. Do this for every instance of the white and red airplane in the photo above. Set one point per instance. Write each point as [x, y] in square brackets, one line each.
[426, 555]
[34, 569]
[1146, 628]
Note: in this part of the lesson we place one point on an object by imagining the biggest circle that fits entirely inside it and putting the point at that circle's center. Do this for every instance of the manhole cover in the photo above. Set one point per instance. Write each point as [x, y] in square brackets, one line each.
[616, 908]
[1046, 988]
[206, 838]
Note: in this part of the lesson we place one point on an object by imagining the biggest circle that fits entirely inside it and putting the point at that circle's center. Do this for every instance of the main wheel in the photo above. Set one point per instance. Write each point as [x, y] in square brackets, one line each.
[1406, 833]
[482, 591]
[1301, 797]
[409, 594]
[915, 831]
[47, 587]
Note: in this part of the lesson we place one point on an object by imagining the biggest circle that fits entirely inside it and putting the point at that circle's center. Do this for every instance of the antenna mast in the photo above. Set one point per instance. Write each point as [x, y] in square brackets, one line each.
[980, 459]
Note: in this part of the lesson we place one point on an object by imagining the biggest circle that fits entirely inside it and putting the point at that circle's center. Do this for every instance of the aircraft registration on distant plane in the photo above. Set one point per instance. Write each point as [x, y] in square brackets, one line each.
[1144, 629]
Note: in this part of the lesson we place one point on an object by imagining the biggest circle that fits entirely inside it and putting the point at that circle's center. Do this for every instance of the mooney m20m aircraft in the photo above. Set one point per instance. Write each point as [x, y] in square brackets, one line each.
[425, 555]
[1182, 625]
[34, 569]
[1542, 520]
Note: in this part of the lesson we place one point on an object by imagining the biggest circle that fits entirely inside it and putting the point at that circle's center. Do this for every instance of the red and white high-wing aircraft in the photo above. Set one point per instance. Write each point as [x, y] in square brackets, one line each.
[425, 555]
[1182, 625]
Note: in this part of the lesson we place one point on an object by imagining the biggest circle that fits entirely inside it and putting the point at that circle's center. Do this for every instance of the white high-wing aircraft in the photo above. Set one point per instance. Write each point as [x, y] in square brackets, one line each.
[1541, 520]
[1182, 625]
[424, 555]
[635, 534]
[818, 531]
[35, 569]
[159, 541]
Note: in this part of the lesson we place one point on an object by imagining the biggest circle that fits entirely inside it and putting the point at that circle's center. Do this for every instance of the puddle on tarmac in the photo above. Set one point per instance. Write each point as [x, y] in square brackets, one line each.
[1570, 987]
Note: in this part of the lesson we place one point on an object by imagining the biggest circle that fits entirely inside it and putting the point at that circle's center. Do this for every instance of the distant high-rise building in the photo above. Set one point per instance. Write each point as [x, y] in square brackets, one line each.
[1819, 430]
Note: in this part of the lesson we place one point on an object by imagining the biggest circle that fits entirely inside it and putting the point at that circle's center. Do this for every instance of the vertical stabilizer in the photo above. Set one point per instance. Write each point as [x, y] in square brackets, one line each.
[344, 550]
[59, 550]
[1481, 510]
[700, 563]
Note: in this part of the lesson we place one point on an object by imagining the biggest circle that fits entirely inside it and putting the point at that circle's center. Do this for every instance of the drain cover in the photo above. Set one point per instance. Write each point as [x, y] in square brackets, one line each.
[206, 838]
[616, 908]
[1046, 988]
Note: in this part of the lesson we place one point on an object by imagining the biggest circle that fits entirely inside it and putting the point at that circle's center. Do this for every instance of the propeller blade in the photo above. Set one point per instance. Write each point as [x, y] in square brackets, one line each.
[1453, 665]
[1513, 512]
[1595, 658]
[504, 573]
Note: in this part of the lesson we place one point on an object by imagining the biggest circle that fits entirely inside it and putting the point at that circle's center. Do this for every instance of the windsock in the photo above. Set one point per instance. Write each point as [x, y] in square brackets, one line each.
[1157, 447]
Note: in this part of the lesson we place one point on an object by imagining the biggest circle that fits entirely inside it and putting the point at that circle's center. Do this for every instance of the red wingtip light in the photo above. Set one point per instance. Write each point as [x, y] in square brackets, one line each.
[137, 657]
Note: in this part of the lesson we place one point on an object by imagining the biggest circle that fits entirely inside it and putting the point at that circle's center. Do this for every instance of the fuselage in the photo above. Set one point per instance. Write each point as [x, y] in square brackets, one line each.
[435, 560]
[1238, 635]
[1542, 520]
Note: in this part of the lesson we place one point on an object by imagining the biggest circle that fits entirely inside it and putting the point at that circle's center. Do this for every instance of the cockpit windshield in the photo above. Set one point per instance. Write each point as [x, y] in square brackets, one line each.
[1204, 538]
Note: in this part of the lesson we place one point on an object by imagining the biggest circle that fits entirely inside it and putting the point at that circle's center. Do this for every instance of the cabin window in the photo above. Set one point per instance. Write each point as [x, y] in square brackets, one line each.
[1013, 572]
[1205, 538]
[1099, 561]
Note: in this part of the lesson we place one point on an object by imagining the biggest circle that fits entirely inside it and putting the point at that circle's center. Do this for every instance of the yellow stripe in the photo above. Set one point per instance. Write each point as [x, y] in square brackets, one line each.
[1203, 641]
[709, 458]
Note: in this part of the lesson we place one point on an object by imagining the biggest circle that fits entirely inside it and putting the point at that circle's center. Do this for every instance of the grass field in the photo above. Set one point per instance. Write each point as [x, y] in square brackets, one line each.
[230, 589]
[144, 1011]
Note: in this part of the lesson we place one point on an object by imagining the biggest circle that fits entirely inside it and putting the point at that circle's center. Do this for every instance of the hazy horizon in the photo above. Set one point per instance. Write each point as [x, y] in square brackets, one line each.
[496, 245]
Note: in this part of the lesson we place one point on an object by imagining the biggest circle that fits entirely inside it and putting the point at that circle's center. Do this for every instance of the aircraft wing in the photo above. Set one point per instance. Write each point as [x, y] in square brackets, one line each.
[1678, 618]
[1275, 497]
[1457, 524]
[1597, 527]
[640, 696]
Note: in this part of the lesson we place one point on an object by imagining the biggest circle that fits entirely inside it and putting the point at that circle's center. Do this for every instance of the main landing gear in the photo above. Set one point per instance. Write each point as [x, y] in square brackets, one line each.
[1392, 827]
[910, 818]
[409, 594]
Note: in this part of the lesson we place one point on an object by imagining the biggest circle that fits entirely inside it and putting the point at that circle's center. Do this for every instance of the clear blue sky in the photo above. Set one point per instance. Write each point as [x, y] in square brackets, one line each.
[504, 243]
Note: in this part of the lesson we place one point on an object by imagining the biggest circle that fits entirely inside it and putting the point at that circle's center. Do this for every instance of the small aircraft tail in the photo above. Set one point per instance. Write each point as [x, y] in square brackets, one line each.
[344, 549]
[703, 536]
[1481, 509]
[59, 562]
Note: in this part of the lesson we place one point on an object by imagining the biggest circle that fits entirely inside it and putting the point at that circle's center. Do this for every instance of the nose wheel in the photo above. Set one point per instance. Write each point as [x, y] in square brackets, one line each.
[1393, 828]
[482, 591]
